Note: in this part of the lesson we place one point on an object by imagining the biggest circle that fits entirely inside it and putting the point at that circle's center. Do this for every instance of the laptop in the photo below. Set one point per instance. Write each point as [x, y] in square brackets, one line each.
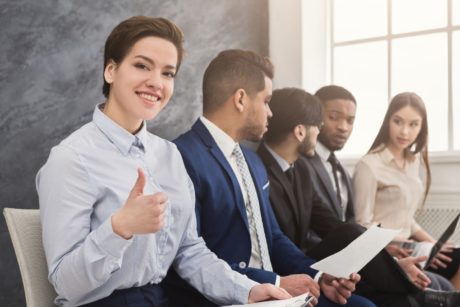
[442, 240]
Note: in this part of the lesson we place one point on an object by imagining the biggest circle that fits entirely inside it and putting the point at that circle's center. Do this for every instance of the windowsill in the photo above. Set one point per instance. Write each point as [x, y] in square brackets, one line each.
[435, 157]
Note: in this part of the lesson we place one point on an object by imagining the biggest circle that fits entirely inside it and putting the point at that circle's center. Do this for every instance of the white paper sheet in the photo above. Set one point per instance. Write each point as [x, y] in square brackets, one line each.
[422, 249]
[291, 302]
[358, 253]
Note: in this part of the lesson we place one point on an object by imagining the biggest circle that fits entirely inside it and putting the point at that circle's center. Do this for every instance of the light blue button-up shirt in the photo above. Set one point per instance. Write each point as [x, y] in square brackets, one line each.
[88, 177]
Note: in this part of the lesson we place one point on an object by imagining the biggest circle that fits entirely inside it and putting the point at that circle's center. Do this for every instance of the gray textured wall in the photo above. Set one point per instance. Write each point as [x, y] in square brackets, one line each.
[51, 77]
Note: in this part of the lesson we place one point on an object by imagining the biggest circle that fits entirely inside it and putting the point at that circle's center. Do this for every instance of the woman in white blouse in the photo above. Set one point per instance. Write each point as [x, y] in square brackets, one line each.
[387, 188]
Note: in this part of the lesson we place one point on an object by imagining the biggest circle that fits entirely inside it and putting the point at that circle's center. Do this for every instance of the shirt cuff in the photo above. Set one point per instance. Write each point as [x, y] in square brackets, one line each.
[278, 281]
[243, 290]
[318, 276]
[109, 241]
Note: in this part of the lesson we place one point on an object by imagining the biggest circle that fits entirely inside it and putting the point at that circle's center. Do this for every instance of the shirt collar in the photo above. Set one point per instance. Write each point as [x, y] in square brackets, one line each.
[387, 155]
[322, 152]
[225, 142]
[118, 135]
[281, 162]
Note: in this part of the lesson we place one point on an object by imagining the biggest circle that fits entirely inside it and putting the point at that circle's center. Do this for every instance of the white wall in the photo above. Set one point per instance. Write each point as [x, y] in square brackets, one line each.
[298, 48]
[300, 59]
[285, 42]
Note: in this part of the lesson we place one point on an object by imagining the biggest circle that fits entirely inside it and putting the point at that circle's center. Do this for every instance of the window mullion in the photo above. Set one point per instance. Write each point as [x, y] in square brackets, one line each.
[389, 44]
[450, 102]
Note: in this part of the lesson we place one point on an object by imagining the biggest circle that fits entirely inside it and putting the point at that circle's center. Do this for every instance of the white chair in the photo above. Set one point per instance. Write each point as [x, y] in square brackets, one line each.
[26, 234]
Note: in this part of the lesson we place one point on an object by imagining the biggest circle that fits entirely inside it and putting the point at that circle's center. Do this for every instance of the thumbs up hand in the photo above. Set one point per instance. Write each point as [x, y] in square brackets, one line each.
[141, 213]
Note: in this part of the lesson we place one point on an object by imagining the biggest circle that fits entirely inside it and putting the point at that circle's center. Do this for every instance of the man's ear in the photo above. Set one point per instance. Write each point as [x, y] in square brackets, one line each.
[109, 72]
[300, 132]
[239, 99]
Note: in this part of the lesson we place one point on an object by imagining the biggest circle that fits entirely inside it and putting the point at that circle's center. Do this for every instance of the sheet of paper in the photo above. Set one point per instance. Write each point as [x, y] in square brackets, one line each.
[291, 302]
[358, 253]
[422, 249]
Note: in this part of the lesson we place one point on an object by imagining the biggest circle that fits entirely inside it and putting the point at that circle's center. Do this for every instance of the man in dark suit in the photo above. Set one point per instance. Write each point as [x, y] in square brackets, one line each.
[339, 116]
[292, 131]
[233, 210]
[330, 179]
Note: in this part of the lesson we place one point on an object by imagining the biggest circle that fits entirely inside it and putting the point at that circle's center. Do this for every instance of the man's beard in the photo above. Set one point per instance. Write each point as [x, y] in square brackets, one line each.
[306, 147]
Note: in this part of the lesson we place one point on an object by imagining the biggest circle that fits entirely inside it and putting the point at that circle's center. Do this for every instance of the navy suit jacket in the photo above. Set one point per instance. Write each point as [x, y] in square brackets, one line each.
[221, 213]
[324, 186]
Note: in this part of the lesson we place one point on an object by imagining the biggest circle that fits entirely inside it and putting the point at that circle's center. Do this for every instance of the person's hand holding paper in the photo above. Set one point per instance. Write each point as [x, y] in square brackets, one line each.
[357, 254]
[339, 289]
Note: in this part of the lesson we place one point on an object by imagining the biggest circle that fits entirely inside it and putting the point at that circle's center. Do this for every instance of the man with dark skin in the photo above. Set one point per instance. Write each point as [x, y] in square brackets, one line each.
[292, 131]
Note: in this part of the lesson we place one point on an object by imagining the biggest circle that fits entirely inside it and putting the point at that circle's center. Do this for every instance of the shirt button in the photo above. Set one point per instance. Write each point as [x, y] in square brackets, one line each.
[242, 265]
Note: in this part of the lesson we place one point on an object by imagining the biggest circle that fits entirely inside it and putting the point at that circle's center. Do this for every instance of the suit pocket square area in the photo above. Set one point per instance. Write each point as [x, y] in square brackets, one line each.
[266, 185]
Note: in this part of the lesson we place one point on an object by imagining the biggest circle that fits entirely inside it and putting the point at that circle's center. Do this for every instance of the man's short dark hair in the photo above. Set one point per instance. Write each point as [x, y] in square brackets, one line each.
[231, 70]
[292, 107]
[330, 92]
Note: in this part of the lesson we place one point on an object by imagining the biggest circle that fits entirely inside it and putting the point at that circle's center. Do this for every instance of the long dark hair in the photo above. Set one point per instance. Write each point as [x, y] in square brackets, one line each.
[420, 144]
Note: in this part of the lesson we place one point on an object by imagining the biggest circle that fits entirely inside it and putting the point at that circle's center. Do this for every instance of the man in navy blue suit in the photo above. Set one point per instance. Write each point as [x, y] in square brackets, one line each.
[233, 211]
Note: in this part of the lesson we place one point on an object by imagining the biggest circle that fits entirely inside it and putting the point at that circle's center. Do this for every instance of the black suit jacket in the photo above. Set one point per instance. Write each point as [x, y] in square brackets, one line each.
[314, 168]
[298, 208]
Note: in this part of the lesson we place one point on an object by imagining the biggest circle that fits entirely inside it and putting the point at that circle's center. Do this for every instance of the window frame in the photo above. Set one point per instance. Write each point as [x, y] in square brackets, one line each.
[449, 155]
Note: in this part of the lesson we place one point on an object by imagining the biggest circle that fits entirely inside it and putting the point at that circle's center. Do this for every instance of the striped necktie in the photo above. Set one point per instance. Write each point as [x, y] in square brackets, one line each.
[253, 208]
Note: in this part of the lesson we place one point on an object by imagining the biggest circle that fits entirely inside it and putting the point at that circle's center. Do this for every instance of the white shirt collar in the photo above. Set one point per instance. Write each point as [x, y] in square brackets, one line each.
[225, 142]
[322, 152]
[281, 162]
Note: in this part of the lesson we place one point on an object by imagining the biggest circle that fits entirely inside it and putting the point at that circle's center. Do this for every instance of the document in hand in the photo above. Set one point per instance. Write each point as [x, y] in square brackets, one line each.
[358, 253]
[298, 301]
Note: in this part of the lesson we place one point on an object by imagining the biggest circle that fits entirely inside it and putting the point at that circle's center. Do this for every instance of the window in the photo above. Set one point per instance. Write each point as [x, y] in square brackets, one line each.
[380, 48]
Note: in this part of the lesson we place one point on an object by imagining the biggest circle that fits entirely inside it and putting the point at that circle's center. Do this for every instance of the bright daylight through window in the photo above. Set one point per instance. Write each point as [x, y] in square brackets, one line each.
[383, 47]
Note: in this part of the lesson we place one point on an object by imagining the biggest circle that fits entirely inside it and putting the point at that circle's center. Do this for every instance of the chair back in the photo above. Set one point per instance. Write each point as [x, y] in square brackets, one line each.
[26, 234]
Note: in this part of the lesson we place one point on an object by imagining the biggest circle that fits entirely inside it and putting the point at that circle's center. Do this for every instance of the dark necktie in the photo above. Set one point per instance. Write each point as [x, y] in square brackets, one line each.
[335, 169]
[290, 174]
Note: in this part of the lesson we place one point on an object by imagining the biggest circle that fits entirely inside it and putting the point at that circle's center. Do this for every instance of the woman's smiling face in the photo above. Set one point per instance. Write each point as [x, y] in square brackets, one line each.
[142, 84]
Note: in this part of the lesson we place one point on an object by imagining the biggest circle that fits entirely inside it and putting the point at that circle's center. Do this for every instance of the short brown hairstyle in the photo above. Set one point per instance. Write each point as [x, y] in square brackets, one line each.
[130, 31]
[231, 70]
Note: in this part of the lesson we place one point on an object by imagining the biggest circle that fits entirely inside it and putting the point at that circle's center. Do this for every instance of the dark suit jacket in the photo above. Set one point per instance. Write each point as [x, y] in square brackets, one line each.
[221, 213]
[324, 186]
[298, 209]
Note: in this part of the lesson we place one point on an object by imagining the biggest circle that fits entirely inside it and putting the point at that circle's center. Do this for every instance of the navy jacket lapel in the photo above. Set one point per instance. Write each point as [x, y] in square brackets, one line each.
[208, 140]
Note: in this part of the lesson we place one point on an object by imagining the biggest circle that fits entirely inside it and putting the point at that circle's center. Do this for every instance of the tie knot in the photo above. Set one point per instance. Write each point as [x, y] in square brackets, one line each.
[290, 173]
[333, 159]
[237, 152]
